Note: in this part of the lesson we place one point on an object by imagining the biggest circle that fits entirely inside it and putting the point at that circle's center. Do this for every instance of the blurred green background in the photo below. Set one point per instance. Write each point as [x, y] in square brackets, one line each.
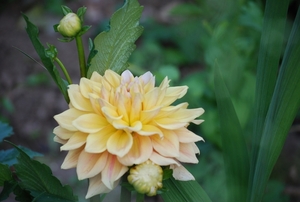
[182, 40]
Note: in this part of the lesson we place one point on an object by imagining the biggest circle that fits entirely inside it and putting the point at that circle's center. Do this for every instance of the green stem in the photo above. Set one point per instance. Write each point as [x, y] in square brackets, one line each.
[95, 198]
[63, 68]
[125, 194]
[81, 56]
[139, 197]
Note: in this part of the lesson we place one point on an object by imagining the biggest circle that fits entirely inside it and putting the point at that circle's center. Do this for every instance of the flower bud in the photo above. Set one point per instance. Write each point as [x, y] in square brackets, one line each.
[70, 25]
[146, 178]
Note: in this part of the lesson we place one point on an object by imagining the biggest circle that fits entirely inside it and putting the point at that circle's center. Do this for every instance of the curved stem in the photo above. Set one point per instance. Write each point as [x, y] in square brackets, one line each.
[140, 197]
[81, 56]
[63, 68]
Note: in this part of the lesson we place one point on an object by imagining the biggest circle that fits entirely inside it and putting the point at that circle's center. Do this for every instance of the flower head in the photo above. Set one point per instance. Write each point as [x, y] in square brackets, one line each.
[116, 121]
[146, 178]
[70, 25]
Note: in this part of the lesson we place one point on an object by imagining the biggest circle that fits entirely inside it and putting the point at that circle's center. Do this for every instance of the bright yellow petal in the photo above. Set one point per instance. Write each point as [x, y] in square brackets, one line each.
[87, 86]
[119, 143]
[136, 108]
[110, 114]
[77, 140]
[71, 159]
[187, 153]
[90, 123]
[96, 187]
[186, 136]
[77, 100]
[112, 172]
[96, 142]
[66, 118]
[150, 99]
[89, 165]
[167, 146]
[140, 151]
[162, 160]
[62, 133]
[188, 115]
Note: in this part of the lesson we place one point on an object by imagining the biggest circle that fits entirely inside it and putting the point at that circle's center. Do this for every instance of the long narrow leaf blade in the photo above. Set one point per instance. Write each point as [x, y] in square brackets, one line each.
[283, 109]
[233, 143]
[116, 45]
[267, 69]
[184, 191]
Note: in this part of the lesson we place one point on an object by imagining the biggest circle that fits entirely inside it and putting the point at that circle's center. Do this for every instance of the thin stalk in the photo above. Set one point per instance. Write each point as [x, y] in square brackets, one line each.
[95, 198]
[140, 197]
[63, 68]
[81, 56]
[125, 194]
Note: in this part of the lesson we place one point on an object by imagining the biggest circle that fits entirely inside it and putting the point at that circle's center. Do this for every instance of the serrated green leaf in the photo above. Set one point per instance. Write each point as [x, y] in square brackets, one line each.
[5, 131]
[33, 33]
[5, 174]
[184, 191]
[9, 156]
[283, 108]
[234, 146]
[38, 179]
[22, 195]
[8, 188]
[116, 45]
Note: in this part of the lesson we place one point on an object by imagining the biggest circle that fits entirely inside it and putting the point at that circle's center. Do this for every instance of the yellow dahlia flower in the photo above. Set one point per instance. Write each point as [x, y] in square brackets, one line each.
[116, 121]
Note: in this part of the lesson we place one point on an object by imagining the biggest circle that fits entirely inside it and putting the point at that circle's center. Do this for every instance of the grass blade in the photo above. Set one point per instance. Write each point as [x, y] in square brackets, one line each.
[233, 143]
[284, 106]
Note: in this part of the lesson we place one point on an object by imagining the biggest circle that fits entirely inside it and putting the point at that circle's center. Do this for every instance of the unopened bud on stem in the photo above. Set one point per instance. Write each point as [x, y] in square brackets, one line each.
[70, 25]
[146, 178]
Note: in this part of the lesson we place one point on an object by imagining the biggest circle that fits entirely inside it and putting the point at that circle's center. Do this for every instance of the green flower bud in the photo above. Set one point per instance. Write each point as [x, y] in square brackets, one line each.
[146, 178]
[70, 25]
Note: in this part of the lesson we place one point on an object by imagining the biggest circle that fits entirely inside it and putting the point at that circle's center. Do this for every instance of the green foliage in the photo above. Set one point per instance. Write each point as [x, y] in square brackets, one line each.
[184, 191]
[5, 130]
[116, 45]
[32, 32]
[236, 163]
[34, 178]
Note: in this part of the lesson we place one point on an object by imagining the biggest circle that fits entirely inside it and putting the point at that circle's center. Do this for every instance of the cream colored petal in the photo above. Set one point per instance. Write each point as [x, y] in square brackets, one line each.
[148, 130]
[148, 115]
[112, 78]
[87, 86]
[169, 123]
[136, 126]
[96, 142]
[126, 76]
[169, 111]
[59, 140]
[123, 107]
[90, 123]
[119, 143]
[96, 187]
[65, 119]
[162, 160]
[188, 115]
[187, 153]
[77, 140]
[181, 173]
[90, 165]
[112, 172]
[136, 108]
[186, 136]
[96, 77]
[78, 100]
[140, 151]
[62, 133]
[111, 114]
[95, 103]
[120, 124]
[197, 121]
[150, 99]
[71, 159]
[167, 146]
